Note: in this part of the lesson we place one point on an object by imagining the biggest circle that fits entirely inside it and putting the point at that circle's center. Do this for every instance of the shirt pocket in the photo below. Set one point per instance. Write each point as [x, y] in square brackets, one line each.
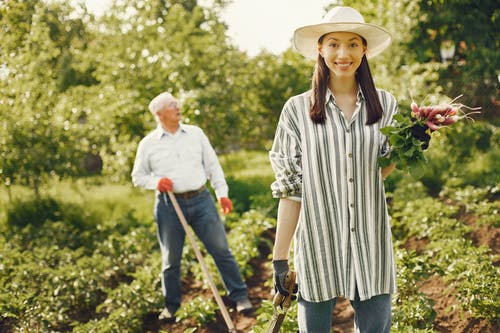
[161, 159]
[193, 153]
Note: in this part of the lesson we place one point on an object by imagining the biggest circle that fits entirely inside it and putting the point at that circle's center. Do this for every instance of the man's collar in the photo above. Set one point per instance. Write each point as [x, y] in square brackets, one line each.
[162, 131]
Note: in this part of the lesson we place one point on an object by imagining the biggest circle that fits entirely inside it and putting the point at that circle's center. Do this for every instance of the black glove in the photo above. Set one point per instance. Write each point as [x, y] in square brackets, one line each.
[280, 270]
[419, 132]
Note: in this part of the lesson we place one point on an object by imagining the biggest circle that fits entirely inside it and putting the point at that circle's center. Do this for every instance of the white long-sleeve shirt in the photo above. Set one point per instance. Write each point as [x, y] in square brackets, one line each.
[186, 157]
[343, 236]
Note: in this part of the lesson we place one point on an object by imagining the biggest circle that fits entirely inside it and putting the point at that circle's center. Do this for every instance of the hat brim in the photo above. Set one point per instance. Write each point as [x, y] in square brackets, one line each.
[305, 39]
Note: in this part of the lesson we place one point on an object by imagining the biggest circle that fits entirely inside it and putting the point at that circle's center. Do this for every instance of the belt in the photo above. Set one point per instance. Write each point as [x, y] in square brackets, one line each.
[190, 194]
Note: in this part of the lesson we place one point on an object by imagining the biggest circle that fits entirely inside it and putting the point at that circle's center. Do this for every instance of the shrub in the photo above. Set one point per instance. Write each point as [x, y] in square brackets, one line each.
[36, 212]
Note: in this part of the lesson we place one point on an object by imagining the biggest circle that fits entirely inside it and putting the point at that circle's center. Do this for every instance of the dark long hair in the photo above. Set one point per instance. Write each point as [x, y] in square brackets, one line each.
[319, 85]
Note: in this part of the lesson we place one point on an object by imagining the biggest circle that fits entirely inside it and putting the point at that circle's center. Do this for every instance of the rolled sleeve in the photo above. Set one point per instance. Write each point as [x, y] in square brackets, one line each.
[286, 158]
[387, 120]
[141, 173]
[213, 168]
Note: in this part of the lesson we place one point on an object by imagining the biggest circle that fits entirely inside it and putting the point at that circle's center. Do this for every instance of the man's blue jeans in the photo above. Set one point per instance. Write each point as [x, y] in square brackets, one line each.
[371, 316]
[201, 214]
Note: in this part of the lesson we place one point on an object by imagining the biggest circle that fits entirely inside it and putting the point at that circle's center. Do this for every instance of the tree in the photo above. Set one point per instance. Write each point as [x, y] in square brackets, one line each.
[75, 89]
[471, 27]
[144, 48]
[274, 79]
[396, 69]
[37, 140]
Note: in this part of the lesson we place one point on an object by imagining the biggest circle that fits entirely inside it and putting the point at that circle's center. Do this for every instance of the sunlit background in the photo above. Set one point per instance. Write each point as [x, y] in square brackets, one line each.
[78, 246]
[258, 24]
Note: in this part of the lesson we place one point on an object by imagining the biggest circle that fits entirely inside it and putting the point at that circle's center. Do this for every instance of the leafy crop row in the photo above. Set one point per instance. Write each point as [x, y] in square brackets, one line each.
[94, 266]
[89, 261]
[449, 251]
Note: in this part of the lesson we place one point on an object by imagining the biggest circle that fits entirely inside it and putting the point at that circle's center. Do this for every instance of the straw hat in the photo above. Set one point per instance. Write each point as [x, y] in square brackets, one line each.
[346, 19]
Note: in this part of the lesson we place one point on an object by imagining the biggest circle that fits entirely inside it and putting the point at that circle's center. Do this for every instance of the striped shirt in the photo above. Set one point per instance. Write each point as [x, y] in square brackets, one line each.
[343, 237]
[186, 157]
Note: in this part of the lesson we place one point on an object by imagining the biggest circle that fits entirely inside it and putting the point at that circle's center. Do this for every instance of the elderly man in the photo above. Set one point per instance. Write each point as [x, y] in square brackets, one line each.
[179, 158]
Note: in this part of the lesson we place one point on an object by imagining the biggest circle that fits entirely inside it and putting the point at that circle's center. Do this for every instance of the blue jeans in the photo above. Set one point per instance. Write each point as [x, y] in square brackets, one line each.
[371, 316]
[201, 214]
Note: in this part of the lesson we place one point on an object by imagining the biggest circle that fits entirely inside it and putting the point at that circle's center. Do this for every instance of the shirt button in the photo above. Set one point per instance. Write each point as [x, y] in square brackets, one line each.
[348, 130]
[351, 180]
[350, 155]
[353, 229]
[352, 205]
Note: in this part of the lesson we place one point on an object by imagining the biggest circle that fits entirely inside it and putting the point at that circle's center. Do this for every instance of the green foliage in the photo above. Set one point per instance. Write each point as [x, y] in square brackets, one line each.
[245, 241]
[479, 202]
[67, 225]
[102, 275]
[33, 212]
[199, 308]
[108, 283]
[406, 151]
[466, 268]
[278, 78]
[412, 310]
[246, 192]
[74, 90]
[59, 268]
[472, 28]
[245, 237]
[264, 315]
[464, 154]
[470, 270]
[38, 139]
[249, 177]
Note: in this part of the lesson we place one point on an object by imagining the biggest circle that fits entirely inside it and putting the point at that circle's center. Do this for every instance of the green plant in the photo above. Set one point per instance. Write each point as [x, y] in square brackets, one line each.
[199, 308]
[411, 308]
[265, 313]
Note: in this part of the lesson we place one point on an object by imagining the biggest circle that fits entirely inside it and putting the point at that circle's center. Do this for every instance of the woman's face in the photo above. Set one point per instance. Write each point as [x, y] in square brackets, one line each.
[343, 52]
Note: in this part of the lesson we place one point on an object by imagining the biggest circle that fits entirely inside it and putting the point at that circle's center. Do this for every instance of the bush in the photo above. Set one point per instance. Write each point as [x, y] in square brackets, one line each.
[36, 212]
[468, 152]
[32, 222]
[249, 193]
[33, 212]
[249, 177]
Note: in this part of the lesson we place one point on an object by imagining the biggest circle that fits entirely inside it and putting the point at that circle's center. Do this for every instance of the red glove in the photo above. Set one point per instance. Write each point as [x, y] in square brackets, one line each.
[226, 205]
[165, 185]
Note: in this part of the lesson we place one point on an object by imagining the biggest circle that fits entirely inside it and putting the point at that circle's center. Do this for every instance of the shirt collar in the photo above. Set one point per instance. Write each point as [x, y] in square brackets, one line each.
[329, 95]
[161, 131]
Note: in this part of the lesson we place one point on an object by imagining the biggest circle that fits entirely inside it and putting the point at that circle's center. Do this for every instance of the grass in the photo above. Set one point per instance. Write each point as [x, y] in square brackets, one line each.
[247, 165]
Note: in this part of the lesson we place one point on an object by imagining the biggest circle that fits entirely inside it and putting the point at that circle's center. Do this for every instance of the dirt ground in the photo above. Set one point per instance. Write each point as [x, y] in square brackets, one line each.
[447, 321]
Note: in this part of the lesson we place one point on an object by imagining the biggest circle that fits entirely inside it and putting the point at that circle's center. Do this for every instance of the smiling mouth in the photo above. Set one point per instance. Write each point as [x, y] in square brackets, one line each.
[343, 65]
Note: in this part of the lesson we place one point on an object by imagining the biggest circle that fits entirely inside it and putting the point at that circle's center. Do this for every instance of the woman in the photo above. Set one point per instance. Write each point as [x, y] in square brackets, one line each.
[330, 186]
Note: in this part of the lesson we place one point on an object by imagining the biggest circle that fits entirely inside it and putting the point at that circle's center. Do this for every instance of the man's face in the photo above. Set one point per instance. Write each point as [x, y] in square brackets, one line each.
[171, 113]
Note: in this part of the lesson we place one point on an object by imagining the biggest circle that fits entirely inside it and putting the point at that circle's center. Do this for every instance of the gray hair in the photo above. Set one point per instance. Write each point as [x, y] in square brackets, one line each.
[159, 102]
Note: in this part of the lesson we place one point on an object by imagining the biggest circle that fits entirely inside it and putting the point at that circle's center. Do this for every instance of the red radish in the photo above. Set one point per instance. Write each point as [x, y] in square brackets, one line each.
[453, 111]
[431, 125]
[439, 118]
[415, 110]
[450, 120]
[424, 110]
[435, 110]
[408, 148]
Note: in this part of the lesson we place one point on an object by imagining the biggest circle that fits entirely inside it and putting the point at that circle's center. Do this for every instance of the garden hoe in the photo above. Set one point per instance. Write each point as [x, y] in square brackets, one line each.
[218, 299]
[282, 303]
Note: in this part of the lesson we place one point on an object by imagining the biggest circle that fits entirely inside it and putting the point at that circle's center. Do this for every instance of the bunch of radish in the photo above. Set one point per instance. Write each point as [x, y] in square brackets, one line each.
[436, 116]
